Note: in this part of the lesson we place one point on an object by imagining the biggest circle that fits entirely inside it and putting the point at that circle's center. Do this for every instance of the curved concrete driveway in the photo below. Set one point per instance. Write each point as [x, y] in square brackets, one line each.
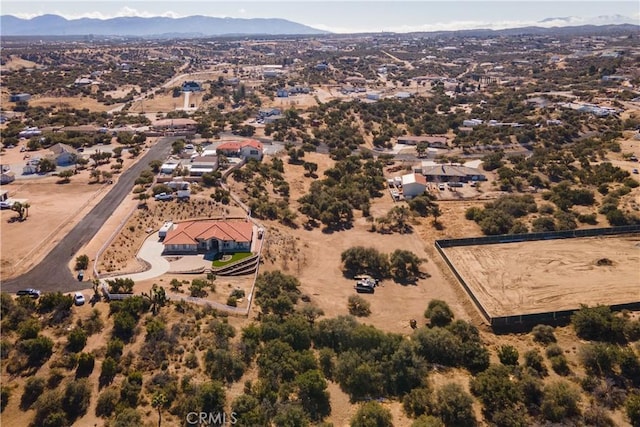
[150, 252]
[52, 274]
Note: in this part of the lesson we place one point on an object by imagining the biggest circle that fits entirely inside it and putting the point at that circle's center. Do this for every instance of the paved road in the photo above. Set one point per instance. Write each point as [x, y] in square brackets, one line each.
[52, 274]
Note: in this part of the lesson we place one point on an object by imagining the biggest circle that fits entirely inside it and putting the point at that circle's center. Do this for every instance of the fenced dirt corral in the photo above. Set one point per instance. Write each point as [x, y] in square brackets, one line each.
[511, 279]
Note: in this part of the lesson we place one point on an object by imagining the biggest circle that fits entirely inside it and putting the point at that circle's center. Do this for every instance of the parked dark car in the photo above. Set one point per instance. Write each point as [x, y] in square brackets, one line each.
[33, 293]
[364, 288]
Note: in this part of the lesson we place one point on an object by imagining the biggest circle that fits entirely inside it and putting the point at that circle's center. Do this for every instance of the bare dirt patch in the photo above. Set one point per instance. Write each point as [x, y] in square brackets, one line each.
[552, 275]
[55, 209]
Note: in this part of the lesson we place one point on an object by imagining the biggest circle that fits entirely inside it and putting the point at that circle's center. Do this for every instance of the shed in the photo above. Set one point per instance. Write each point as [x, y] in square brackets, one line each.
[413, 185]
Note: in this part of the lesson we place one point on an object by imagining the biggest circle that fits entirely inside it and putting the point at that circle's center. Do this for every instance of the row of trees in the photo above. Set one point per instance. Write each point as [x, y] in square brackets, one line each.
[401, 265]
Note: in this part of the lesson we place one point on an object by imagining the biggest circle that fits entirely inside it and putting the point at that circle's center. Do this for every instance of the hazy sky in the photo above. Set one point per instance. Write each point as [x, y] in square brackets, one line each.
[354, 16]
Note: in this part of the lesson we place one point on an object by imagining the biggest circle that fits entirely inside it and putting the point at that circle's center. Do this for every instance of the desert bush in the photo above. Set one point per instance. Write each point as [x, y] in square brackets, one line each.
[358, 306]
[438, 313]
[543, 334]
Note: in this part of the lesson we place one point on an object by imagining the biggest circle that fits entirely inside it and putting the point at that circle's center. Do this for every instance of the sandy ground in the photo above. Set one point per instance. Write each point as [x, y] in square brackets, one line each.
[540, 276]
[55, 209]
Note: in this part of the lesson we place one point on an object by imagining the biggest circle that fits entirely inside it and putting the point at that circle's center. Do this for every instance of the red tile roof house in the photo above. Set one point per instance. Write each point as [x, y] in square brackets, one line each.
[249, 149]
[192, 237]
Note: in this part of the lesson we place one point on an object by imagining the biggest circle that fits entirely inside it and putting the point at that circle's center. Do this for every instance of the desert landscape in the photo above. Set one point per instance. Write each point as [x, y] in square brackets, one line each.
[350, 155]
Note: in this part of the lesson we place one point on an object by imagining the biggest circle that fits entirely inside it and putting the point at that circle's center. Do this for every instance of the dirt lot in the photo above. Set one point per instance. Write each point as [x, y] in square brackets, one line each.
[55, 209]
[532, 277]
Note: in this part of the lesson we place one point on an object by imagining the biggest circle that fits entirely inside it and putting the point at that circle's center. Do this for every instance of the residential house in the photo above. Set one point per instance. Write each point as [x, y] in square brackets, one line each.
[282, 93]
[437, 141]
[82, 81]
[191, 237]
[471, 123]
[191, 86]
[168, 168]
[182, 125]
[449, 173]
[203, 164]
[29, 169]
[7, 177]
[19, 97]
[247, 149]
[266, 112]
[64, 154]
[273, 119]
[413, 185]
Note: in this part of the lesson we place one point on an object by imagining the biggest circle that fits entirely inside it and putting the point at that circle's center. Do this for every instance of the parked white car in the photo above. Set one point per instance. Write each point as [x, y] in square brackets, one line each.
[78, 298]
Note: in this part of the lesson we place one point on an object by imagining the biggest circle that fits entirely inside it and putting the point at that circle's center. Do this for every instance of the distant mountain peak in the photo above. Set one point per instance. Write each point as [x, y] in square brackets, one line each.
[54, 25]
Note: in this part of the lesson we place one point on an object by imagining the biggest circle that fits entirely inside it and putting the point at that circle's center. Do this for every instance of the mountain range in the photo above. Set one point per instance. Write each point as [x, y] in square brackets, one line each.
[206, 26]
[195, 26]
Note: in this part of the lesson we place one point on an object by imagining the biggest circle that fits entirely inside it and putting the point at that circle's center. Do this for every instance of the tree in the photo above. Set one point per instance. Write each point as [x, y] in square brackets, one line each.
[82, 262]
[66, 176]
[454, 405]
[175, 285]
[37, 349]
[405, 265]
[310, 167]
[438, 313]
[632, 408]
[77, 395]
[496, 389]
[313, 395]
[560, 402]
[108, 372]
[598, 323]
[5, 395]
[543, 334]
[86, 362]
[33, 388]
[157, 297]
[358, 306]
[291, 416]
[107, 402]
[143, 197]
[159, 401]
[372, 414]
[418, 401]
[361, 260]
[19, 207]
[508, 355]
[46, 165]
[533, 359]
[155, 165]
[77, 339]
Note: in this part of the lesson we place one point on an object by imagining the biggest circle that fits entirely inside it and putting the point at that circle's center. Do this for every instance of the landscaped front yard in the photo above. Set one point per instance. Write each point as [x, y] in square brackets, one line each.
[227, 259]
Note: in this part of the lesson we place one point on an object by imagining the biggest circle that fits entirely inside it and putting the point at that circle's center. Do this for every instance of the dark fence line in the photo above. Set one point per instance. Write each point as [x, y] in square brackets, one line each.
[523, 320]
[551, 317]
[547, 235]
[463, 283]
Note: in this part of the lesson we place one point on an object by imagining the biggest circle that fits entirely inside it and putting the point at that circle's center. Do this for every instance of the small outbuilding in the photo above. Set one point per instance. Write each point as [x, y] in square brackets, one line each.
[413, 185]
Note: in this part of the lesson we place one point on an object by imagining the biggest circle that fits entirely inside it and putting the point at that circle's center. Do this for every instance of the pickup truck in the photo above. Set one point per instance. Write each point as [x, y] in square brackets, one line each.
[164, 196]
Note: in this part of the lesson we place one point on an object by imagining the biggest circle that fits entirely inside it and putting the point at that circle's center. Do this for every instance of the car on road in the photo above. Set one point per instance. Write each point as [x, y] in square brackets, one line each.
[30, 292]
[78, 298]
[164, 196]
